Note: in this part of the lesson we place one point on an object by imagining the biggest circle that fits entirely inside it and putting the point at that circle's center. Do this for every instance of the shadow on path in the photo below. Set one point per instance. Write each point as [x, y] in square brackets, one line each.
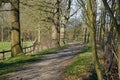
[50, 67]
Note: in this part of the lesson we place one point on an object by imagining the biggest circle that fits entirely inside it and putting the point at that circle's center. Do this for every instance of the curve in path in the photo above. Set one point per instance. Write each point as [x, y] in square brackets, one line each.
[49, 67]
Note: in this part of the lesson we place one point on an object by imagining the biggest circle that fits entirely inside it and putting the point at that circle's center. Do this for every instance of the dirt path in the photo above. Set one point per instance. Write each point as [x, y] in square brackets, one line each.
[50, 67]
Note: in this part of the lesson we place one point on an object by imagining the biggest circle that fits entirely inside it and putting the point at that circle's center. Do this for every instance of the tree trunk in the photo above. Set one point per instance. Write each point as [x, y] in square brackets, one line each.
[2, 34]
[88, 36]
[2, 28]
[64, 20]
[15, 32]
[119, 52]
[85, 35]
[96, 59]
[118, 27]
[92, 22]
[39, 40]
[56, 27]
[62, 36]
[54, 37]
[119, 56]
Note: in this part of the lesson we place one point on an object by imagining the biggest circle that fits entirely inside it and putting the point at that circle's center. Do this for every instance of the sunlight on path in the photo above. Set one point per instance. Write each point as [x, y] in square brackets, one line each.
[50, 67]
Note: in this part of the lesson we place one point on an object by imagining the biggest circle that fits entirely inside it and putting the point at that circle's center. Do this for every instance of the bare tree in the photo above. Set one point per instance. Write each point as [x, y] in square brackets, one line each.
[90, 16]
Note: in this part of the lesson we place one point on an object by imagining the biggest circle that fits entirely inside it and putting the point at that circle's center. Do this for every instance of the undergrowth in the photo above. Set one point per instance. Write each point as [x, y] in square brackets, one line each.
[82, 67]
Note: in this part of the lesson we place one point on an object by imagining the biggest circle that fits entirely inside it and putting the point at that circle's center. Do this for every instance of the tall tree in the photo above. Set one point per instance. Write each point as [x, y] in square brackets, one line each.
[92, 20]
[116, 22]
[56, 24]
[65, 16]
[90, 12]
[15, 32]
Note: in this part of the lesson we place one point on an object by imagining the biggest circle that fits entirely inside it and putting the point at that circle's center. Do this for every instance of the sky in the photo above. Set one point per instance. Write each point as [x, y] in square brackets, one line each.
[75, 7]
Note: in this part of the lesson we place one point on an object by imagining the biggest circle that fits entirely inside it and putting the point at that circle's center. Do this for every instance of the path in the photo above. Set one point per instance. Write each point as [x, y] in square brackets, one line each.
[50, 67]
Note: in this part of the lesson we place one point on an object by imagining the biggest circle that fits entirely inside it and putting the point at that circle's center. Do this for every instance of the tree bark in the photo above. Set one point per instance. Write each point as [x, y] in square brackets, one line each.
[15, 32]
[96, 59]
[62, 36]
[85, 35]
[54, 36]
[92, 22]
[116, 22]
[119, 56]
[118, 19]
[39, 39]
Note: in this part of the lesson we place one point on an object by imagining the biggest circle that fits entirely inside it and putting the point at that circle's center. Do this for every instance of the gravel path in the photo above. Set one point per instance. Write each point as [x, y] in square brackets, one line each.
[49, 67]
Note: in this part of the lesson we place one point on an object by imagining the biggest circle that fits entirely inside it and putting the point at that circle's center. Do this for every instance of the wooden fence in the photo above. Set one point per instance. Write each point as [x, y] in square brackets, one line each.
[29, 49]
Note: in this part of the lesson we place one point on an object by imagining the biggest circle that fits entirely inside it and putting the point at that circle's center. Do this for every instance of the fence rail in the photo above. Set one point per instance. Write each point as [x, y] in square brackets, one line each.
[29, 49]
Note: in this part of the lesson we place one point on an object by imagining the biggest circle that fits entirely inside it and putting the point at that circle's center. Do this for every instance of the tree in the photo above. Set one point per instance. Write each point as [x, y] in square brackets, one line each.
[90, 12]
[15, 32]
[65, 16]
[116, 22]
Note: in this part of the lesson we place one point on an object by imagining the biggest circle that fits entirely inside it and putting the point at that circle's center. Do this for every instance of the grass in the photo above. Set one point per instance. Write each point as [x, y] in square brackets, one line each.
[14, 63]
[7, 45]
[82, 66]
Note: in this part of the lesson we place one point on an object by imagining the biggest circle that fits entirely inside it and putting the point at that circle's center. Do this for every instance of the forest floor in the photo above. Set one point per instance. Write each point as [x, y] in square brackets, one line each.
[50, 67]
